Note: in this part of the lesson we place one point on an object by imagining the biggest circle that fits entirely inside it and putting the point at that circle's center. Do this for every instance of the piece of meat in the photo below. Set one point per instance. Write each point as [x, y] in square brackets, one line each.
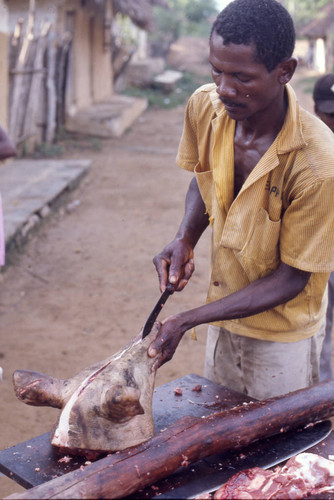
[316, 473]
[106, 407]
[248, 484]
[303, 475]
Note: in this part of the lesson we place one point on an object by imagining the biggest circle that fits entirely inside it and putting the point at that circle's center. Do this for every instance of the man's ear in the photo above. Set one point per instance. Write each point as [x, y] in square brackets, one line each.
[286, 70]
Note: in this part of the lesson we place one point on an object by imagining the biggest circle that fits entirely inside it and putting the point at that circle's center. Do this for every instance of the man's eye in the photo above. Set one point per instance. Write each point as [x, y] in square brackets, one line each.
[243, 78]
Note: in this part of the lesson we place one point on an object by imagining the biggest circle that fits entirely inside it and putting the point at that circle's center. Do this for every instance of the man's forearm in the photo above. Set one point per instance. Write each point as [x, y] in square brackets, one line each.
[195, 219]
[266, 293]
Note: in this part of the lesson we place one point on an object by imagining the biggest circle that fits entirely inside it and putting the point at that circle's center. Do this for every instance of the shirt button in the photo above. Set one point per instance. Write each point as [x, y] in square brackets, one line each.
[216, 283]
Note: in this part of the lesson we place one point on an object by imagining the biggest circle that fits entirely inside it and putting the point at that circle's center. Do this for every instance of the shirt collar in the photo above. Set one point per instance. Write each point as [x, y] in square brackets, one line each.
[291, 135]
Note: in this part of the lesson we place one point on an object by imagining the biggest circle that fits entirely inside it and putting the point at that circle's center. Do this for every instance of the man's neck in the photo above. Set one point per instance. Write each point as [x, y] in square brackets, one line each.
[267, 123]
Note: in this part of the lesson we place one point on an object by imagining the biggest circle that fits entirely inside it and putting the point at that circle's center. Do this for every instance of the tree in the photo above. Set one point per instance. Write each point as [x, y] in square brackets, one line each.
[191, 17]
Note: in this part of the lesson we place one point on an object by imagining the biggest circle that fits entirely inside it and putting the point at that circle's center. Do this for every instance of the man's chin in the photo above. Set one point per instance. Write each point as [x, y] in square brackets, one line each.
[236, 112]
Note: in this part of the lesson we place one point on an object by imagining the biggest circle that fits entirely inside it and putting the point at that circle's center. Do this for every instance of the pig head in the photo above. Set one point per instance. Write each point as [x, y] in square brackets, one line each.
[106, 407]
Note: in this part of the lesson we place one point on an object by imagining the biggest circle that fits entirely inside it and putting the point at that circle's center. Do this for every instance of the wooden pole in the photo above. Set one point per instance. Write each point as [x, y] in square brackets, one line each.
[189, 440]
[34, 96]
[20, 83]
[51, 90]
[31, 17]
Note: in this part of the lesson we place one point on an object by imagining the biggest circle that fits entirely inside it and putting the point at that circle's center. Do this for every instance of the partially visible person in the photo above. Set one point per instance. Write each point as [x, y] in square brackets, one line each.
[323, 96]
[7, 149]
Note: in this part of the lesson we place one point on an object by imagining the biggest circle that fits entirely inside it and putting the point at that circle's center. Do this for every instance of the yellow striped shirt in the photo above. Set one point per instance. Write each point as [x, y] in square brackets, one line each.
[284, 211]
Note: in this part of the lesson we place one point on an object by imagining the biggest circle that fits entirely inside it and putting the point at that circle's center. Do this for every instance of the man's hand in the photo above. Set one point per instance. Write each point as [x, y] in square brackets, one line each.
[175, 264]
[260, 295]
[166, 342]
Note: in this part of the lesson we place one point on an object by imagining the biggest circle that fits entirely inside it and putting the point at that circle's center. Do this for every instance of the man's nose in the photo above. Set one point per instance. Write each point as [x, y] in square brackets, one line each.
[225, 88]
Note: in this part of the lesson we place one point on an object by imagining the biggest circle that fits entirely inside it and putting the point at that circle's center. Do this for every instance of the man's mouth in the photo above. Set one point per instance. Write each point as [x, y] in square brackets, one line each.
[229, 104]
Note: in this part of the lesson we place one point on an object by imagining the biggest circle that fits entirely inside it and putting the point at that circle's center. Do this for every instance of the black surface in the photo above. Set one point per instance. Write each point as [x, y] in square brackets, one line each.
[209, 474]
[35, 461]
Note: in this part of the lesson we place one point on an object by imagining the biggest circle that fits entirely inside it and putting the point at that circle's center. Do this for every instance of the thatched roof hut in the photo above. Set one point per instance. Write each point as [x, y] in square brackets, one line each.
[320, 35]
[320, 27]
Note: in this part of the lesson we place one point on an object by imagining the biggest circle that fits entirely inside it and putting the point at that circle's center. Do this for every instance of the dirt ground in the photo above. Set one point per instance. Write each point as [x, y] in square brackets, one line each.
[85, 283]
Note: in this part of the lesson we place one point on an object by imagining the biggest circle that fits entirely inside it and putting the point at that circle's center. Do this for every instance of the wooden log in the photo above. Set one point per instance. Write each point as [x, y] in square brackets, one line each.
[63, 77]
[34, 101]
[189, 440]
[51, 90]
[20, 83]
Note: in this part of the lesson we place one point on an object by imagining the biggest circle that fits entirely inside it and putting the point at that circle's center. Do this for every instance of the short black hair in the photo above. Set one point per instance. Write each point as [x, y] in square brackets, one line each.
[264, 23]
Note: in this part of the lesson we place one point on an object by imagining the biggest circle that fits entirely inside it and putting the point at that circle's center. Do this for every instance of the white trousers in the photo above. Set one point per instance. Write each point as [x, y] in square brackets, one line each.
[259, 368]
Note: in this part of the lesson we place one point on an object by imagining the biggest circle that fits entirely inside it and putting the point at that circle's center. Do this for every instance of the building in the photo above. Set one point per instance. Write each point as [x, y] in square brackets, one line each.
[73, 82]
[320, 34]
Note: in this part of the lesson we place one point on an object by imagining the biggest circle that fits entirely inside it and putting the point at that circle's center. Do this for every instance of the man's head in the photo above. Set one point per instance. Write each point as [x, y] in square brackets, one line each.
[265, 24]
[323, 96]
[251, 45]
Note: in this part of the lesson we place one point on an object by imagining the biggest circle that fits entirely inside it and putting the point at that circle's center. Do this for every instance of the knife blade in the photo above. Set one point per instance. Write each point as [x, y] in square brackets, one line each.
[156, 310]
[264, 453]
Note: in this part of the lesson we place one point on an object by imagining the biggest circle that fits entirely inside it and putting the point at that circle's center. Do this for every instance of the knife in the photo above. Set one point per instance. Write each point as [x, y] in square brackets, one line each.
[156, 310]
[264, 453]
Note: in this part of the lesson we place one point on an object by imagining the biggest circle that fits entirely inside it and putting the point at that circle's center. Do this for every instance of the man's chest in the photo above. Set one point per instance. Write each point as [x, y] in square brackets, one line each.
[246, 157]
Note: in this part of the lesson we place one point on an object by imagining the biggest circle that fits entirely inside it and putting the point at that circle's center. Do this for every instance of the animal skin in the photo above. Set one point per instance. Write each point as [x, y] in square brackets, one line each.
[106, 407]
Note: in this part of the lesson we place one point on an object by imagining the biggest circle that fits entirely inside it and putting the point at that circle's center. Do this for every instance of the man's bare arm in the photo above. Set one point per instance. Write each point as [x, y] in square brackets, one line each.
[281, 286]
[175, 264]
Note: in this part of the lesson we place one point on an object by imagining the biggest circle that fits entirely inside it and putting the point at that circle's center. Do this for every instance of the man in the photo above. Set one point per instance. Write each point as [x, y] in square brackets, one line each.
[264, 178]
[323, 96]
[7, 149]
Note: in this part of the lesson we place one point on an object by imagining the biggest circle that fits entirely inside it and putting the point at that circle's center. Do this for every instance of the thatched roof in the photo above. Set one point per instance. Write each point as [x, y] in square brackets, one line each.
[140, 11]
[322, 25]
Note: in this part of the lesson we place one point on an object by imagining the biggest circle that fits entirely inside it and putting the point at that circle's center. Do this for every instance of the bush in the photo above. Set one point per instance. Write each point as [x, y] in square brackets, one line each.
[184, 17]
[157, 98]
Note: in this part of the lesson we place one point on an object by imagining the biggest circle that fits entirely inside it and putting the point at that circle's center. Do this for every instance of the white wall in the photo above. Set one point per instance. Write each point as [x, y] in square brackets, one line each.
[320, 56]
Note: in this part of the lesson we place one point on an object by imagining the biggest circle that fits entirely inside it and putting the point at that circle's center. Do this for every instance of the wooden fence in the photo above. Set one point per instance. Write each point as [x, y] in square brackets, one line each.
[37, 81]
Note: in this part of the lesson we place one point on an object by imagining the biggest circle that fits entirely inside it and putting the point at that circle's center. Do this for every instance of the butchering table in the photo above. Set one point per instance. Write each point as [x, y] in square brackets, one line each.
[35, 461]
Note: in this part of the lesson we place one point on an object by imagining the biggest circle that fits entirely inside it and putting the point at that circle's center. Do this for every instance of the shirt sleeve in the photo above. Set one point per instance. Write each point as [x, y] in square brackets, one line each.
[306, 239]
[188, 153]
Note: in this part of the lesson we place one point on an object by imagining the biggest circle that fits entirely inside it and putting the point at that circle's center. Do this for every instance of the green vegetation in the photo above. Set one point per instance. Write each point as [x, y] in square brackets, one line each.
[183, 17]
[158, 98]
[44, 150]
[65, 142]
[307, 84]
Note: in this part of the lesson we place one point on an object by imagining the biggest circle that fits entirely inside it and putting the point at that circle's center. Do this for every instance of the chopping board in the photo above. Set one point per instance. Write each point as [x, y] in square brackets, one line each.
[35, 461]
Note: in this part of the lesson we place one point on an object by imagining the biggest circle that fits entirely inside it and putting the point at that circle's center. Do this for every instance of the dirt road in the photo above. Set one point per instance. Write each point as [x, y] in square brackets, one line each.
[85, 283]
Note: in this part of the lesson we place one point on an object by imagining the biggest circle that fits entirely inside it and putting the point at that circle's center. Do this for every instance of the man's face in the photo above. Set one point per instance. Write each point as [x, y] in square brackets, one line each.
[327, 118]
[244, 86]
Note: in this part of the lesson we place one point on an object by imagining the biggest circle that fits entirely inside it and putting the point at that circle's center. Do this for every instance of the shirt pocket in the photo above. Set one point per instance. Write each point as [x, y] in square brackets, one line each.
[260, 254]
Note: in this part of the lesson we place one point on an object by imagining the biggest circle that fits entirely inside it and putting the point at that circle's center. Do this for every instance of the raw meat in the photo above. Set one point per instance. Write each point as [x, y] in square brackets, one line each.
[106, 407]
[303, 475]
